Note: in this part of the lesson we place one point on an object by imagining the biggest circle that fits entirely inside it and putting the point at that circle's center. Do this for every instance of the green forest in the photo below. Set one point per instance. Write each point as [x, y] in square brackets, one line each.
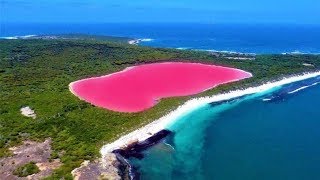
[37, 72]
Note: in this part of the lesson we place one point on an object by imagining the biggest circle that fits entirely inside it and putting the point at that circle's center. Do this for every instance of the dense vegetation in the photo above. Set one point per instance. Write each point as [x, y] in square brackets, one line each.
[26, 170]
[37, 73]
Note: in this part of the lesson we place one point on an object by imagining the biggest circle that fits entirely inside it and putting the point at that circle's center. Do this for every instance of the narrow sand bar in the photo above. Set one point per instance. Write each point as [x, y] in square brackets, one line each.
[139, 88]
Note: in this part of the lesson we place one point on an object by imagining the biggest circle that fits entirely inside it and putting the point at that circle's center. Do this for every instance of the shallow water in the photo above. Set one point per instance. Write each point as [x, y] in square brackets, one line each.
[247, 138]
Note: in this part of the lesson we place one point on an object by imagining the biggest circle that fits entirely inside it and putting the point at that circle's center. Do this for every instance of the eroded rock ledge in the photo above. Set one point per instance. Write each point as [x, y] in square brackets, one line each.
[103, 168]
[113, 165]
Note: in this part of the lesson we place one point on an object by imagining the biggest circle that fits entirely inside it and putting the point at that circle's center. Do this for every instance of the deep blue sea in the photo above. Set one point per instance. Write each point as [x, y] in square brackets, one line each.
[272, 135]
[219, 37]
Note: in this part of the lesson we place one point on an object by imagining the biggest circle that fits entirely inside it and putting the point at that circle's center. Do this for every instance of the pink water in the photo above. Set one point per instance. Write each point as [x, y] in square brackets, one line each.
[140, 87]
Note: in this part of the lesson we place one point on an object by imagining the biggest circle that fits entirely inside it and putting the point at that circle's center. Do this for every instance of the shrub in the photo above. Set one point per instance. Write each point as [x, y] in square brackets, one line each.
[26, 170]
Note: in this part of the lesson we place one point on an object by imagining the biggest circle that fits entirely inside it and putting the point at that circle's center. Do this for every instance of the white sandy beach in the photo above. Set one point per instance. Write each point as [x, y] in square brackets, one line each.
[160, 124]
[137, 41]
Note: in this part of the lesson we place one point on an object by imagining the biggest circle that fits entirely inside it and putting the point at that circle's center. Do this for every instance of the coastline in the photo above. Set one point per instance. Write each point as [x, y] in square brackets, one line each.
[156, 126]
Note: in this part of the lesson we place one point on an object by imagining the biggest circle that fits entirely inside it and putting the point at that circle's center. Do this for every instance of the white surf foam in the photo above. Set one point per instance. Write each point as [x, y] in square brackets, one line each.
[266, 99]
[226, 52]
[302, 88]
[182, 48]
[146, 40]
[297, 52]
[18, 37]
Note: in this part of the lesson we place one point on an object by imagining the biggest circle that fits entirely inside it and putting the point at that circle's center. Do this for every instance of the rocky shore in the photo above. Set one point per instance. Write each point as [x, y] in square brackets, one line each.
[114, 165]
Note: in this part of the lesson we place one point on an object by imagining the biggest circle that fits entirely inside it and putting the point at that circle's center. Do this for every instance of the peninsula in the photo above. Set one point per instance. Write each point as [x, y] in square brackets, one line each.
[36, 73]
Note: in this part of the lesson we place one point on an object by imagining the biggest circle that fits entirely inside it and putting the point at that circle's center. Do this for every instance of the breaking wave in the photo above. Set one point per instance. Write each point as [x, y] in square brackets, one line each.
[289, 90]
[18, 37]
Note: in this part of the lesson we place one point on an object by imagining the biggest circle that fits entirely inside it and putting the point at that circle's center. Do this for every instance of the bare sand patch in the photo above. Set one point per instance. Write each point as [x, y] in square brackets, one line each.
[29, 151]
[308, 65]
[28, 112]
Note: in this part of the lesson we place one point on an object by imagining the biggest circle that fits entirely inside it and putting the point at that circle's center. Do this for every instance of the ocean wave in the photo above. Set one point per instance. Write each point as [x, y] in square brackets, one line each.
[287, 91]
[13, 37]
[302, 88]
[137, 41]
[145, 40]
[183, 48]
[297, 52]
[225, 51]
[19, 37]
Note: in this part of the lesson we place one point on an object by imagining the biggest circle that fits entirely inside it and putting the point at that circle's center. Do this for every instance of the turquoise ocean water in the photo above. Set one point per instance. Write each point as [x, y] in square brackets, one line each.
[272, 135]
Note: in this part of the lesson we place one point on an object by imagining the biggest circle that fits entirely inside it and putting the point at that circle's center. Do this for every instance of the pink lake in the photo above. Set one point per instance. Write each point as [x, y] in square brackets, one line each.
[139, 88]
